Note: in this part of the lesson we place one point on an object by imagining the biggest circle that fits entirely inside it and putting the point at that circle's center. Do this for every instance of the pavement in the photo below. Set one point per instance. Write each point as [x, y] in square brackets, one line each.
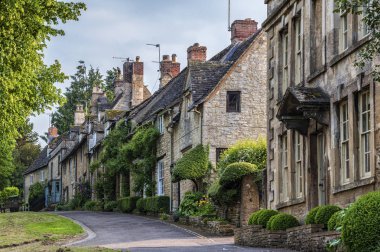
[141, 234]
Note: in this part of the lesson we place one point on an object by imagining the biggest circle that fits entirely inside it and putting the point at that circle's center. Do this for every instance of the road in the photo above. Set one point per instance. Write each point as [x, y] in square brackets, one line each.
[141, 234]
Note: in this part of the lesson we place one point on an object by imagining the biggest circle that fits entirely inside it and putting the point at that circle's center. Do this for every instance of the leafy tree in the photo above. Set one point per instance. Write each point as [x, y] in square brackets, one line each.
[109, 83]
[26, 83]
[371, 19]
[79, 92]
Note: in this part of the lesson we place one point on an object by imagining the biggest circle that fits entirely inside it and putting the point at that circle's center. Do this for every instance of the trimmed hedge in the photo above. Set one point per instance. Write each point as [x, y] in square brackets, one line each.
[361, 224]
[335, 221]
[254, 216]
[155, 205]
[236, 171]
[128, 204]
[282, 221]
[264, 216]
[310, 217]
[324, 214]
[109, 206]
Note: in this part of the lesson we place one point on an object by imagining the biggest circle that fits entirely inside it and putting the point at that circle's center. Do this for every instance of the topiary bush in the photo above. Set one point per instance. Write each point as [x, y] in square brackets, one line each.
[234, 172]
[90, 205]
[310, 217]
[128, 204]
[324, 213]
[361, 224]
[254, 216]
[223, 196]
[140, 205]
[282, 221]
[335, 221]
[264, 216]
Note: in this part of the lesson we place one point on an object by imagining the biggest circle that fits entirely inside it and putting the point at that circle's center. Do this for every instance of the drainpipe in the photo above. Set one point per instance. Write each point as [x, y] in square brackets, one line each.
[170, 130]
[201, 123]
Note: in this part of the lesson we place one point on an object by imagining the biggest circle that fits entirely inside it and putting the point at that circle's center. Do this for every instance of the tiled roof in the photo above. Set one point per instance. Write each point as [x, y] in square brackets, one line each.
[74, 148]
[41, 161]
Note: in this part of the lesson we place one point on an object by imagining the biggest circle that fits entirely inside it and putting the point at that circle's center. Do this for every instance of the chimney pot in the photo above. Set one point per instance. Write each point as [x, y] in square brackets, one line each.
[174, 58]
[137, 58]
[165, 57]
[196, 53]
[242, 29]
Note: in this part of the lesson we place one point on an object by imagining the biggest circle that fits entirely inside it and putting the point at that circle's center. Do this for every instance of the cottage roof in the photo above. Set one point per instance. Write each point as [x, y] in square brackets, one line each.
[74, 148]
[41, 162]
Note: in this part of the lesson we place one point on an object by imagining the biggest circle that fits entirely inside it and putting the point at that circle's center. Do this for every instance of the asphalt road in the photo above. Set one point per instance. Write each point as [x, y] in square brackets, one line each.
[140, 234]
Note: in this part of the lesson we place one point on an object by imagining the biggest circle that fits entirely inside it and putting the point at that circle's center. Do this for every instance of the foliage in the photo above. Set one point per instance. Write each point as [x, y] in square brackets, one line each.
[371, 19]
[254, 152]
[90, 205]
[155, 204]
[109, 83]
[234, 173]
[164, 216]
[79, 92]
[36, 191]
[310, 217]
[196, 204]
[254, 216]
[27, 84]
[128, 204]
[82, 194]
[8, 192]
[361, 224]
[94, 166]
[335, 221]
[222, 196]
[282, 221]
[324, 213]
[264, 216]
[109, 206]
[99, 188]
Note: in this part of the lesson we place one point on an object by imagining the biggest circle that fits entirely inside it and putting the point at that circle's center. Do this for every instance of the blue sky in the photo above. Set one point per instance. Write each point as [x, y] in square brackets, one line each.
[122, 28]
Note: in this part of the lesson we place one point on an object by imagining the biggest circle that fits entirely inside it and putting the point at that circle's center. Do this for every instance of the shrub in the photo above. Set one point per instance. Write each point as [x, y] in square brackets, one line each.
[188, 206]
[335, 221]
[361, 224]
[90, 205]
[140, 205]
[310, 217]
[128, 204]
[264, 216]
[282, 221]
[109, 206]
[164, 216]
[236, 171]
[8, 192]
[158, 204]
[193, 165]
[254, 216]
[222, 196]
[324, 213]
[254, 152]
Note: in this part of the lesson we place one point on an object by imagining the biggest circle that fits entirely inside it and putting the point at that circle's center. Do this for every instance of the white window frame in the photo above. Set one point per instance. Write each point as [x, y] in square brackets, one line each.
[160, 124]
[285, 61]
[284, 165]
[160, 178]
[42, 175]
[345, 142]
[298, 50]
[298, 139]
[365, 134]
[31, 179]
[343, 31]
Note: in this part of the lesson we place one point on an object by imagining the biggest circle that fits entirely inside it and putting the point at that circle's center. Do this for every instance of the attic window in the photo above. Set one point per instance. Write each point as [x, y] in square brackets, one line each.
[233, 101]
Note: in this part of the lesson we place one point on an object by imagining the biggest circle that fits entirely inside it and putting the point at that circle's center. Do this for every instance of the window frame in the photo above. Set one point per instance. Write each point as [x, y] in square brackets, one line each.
[298, 162]
[285, 60]
[343, 23]
[298, 49]
[365, 135]
[160, 124]
[344, 142]
[31, 179]
[160, 178]
[237, 107]
[284, 165]
[42, 175]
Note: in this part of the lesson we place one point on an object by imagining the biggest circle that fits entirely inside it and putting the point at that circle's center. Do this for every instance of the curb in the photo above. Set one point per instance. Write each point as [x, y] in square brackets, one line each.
[89, 233]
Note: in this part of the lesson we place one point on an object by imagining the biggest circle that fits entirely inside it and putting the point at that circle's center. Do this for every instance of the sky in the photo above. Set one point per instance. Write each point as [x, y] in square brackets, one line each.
[122, 28]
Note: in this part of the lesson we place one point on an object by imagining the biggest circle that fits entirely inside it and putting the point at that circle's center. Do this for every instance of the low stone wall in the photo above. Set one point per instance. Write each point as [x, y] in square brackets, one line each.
[302, 238]
[213, 227]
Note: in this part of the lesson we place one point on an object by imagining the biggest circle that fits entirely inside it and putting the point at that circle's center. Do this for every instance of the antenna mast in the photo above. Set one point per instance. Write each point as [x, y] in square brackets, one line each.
[159, 54]
[229, 15]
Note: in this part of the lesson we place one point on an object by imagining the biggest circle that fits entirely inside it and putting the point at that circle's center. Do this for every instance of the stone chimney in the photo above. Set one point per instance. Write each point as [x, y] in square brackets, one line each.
[97, 92]
[119, 83]
[133, 71]
[79, 117]
[196, 53]
[52, 133]
[170, 68]
[242, 29]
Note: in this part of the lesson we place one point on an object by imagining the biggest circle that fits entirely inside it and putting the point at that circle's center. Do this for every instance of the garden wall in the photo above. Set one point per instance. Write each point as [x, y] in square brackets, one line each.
[302, 238]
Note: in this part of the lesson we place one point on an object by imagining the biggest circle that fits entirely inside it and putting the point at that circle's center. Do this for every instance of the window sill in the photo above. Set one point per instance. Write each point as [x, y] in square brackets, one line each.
[348, 51]
[353, 185]
[291, 202]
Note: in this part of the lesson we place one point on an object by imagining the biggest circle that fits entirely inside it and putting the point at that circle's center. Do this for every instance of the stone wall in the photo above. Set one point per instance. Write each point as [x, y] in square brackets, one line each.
[302, 238]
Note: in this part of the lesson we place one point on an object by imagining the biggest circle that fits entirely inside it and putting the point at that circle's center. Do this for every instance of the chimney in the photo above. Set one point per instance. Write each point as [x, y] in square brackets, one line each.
[242, 29]
[79, 117]
[170, 68]
[196, 53]
[133, 71]
[52, 133]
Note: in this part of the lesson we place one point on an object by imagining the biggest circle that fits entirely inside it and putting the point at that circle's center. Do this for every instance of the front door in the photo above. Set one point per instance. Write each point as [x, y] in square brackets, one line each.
[321, 169]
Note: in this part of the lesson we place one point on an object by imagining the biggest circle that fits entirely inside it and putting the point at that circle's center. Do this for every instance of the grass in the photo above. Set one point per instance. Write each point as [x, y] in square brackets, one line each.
[18, 228]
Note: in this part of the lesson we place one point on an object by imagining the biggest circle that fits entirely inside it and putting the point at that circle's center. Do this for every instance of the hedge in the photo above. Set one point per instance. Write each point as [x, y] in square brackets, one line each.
[264, 216]
[128, 204]
[254, 216]
[310, 217]
[324, 214]
[361, 224]
[155, 205]
[236, 171]
[109, 206]
[335, 221]
[282, 221]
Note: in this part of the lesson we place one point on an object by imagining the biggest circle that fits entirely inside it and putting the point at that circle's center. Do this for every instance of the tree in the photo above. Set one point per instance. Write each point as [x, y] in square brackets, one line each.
[26, 83]
[370, 11]
[79, 92]
[109, 83]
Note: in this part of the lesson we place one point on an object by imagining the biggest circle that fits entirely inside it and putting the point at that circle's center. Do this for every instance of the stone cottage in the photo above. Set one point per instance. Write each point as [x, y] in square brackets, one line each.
[323, 123]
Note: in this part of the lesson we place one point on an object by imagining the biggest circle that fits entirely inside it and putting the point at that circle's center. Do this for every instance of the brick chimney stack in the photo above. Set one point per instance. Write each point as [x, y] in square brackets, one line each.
[196, 53]
[133, 71]
[170, 68]
[242, 29]
[52, 133]
[79, 116]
